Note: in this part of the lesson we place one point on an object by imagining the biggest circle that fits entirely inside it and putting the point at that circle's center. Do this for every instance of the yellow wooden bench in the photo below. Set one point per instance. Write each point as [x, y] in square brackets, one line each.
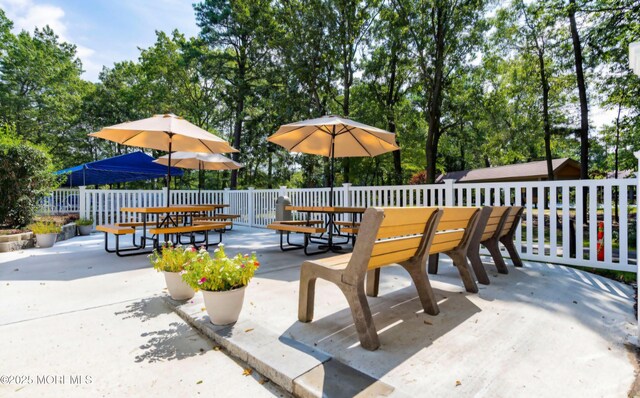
[219, 217]
[118, 231]
[187, 229]
[131, 224]
[287, 227]
[389, 236]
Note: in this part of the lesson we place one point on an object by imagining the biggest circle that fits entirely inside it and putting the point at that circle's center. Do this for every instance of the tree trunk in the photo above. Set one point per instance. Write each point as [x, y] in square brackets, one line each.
[435, 104]
[544, 82]
[582, 93]
[391, 103]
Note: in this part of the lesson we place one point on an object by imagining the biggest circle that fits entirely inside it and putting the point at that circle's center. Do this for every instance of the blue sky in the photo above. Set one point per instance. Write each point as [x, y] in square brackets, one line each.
[105, 31]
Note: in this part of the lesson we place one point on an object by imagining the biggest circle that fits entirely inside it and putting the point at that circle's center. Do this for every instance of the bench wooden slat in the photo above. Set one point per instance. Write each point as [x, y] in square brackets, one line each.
[350, 230]
[114, 229]
[296, 228]
[185, 229]
[130, 224]
[310, 222]
[347, 223]
[216, 217]
[221, 223]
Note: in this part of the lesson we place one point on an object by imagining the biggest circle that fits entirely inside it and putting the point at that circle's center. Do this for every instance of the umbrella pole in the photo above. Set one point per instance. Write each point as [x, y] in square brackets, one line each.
[199, 182]
[333, 158]
[169, 175]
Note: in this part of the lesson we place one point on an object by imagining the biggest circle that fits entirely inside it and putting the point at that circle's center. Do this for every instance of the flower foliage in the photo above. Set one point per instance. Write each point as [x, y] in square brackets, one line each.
[172, 258]
[219, 272]
[45, 227]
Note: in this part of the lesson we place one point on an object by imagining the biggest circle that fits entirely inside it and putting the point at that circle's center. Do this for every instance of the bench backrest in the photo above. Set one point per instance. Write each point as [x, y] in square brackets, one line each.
[512, 219]
[495, 222]
[454, 229]
[391, 235]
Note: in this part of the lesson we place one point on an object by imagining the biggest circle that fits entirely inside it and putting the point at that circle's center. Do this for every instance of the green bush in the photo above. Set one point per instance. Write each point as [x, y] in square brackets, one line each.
[26, 177]
[84, 222]
[45, 227]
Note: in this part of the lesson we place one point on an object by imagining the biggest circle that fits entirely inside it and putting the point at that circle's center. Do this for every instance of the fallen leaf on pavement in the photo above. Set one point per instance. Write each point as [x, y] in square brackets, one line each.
[247, 372]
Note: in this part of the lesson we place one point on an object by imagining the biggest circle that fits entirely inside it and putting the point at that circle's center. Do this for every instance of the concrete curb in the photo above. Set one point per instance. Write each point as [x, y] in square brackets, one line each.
[297, 368]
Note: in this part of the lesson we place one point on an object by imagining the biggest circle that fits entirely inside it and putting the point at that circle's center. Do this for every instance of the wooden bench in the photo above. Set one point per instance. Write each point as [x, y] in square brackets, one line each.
[130, 224]
[118, 231]
[490, 225]
[346, 223]
[219, 217]
[389, 236]
[287, 227]
[453, 236]
[188, 229]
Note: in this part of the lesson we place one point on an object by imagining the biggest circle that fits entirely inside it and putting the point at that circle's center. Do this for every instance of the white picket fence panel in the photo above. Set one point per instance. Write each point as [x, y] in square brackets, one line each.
[544, 235]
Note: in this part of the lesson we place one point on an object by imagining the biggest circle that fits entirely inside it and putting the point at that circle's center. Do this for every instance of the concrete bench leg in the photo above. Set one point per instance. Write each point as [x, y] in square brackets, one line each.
[433, 263]
[507, 241]
[492, 246]
[461, 263]
[419, 276]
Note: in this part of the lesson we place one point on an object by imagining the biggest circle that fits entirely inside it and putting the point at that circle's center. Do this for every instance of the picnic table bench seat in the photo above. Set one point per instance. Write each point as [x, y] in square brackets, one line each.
[190, 230]
[389, 236]
[118, 231]
[131, 224]
[287, 227]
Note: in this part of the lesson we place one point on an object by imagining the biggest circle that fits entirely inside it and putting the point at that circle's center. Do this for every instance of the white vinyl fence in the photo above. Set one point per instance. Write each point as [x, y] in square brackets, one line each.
[555, 227]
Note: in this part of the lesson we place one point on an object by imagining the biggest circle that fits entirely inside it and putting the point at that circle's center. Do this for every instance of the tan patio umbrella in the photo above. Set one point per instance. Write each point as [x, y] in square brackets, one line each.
[334, 137]
[168, 133]
[200, 162]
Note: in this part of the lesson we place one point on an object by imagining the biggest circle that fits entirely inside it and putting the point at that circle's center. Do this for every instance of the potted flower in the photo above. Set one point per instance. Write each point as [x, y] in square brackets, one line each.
[46, 232]
[172, 260]
[223, 281]
[85, 225]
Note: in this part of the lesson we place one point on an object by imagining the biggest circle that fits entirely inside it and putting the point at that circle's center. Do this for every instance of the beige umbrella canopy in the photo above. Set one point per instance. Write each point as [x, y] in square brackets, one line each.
[334, 137]
[199, 161]
[166, 132]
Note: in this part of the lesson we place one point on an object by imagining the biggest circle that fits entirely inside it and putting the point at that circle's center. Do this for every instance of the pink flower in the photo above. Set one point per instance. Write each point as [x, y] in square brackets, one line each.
[193, 249]
[201, 281]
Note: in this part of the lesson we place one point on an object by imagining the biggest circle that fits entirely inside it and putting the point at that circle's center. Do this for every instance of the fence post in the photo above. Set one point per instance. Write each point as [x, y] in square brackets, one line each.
[226, 197]
[165, 194]
[82, 202]
[346, 194]
[449, 192]
[282, 191]
[637, 155]
[250, 206]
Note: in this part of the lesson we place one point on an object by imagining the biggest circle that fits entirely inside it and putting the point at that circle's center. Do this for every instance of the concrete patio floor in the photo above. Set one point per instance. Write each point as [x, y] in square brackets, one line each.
[542, 330]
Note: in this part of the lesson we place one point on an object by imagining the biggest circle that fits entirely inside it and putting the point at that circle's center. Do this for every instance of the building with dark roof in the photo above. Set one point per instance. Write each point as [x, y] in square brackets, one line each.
[563, 169]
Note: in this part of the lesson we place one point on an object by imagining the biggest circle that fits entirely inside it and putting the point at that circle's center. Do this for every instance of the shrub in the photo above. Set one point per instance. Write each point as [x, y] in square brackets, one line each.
[45, 227]
[83, 222]
[27, 177]
[418, 178]
[220, 273]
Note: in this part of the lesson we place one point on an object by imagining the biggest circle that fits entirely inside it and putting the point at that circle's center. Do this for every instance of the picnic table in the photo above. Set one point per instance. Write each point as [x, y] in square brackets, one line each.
[169, 220]
[330, 221]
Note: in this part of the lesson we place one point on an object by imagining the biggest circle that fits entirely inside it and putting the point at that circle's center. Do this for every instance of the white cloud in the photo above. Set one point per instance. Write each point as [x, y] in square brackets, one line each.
[28, 15]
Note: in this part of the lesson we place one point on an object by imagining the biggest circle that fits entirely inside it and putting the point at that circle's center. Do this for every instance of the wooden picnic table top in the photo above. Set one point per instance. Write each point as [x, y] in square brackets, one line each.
[327, 209]
[171, 209]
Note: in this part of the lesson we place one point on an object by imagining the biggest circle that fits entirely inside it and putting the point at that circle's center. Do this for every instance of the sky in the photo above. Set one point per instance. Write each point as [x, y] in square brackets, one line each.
[104, 31]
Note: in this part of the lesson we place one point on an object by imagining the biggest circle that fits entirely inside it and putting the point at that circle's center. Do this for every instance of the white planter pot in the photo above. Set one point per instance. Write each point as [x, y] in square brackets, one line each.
[178, 289]
[85, 230]
[46, 240]
[224, 307]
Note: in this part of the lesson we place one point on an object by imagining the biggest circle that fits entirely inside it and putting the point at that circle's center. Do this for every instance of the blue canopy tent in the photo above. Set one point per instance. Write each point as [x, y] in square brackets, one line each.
[130, 167]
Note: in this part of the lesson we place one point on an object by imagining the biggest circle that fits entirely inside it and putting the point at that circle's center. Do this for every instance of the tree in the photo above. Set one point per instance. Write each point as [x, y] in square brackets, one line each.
[239, 30]
[443, 34]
